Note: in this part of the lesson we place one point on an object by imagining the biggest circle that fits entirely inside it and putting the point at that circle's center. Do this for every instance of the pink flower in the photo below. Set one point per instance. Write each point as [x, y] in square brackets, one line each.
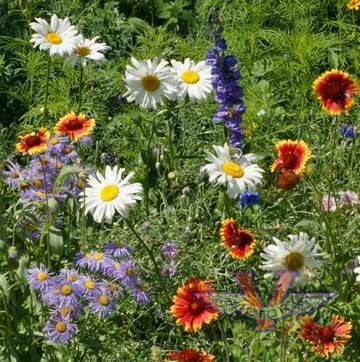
[348, 198]
[328, 203]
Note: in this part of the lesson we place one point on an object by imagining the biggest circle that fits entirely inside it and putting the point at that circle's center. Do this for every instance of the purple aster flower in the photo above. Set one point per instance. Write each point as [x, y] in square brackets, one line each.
[169, 249]
[93, 261]
[118, 250]
[35, 235]
[347, 130]
[39, 279]
[68, 154]
[63, 294]
[14, 175]
[102, 302]
[113, 270]
[59, 329]
[139, 294]
[248, 198]
[57, 144]
[127, 274]
[65, 312]
[86, 141]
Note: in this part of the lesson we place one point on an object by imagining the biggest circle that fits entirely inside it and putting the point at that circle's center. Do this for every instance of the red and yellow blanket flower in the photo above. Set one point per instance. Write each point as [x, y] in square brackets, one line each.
[33, 143]
[335, 91]
[190, 355]
[240, 242]
[326, 339]
[189, 311]
[75, 126]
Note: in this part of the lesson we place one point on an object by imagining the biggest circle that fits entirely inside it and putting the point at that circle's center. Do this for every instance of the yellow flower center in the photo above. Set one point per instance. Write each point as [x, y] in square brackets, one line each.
[87, 255]
[73, 278]
[116, 265]
[103, 299]
[294, 261]
[60, 327]
[190, 77]
[130, 272]
[98, 256]
[54, 140]
[109, 193]
[82, 51]
[54, 38]
[37, 183]
[42, 276]
[151, 82]
[89, 284]
[233, 169]
[66, 289]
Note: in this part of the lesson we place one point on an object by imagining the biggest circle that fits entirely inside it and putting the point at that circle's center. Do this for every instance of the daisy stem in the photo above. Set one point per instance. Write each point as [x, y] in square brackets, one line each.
[81, 85]
[148, 167]
[171, 148]
[150, 253]
[47, 88]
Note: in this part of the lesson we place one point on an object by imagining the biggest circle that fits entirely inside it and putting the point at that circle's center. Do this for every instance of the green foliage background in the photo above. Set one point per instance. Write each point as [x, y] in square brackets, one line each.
[283, 46]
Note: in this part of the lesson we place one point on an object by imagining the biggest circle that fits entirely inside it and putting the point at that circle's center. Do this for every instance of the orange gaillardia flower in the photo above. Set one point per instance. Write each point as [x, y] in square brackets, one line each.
[75, 126]
[35, 142]
[353, 4]
[190, 312]
[335, 91]
[190, 355]
[240, 242]
[292, 156]
[326, 339]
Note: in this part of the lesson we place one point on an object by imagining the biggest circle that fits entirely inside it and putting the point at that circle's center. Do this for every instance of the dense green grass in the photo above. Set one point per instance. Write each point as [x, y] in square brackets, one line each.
[282, 47]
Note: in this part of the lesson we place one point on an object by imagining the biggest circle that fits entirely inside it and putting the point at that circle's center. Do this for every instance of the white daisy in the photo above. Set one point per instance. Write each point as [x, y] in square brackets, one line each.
[88, 49]
[238, 172]
[58, 37]
[194, 79]
[357, 270]
[300, 253]
[148, 82]
[106, 195]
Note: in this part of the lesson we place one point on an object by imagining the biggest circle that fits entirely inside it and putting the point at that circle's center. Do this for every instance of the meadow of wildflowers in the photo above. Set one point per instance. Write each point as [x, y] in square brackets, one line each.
[151, 148]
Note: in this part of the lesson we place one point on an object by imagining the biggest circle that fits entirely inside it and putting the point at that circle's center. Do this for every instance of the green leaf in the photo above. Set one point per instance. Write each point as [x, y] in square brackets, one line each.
[4, 286]
[56, 240]
[66, 171]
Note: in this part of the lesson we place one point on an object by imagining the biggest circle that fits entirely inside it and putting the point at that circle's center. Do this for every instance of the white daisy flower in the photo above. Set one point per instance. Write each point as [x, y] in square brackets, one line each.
[106, 195]
[194, 79]
[88, 49]
[59, 37]
[357, 270]
[238, 172]
[148, 82]
[300, 253]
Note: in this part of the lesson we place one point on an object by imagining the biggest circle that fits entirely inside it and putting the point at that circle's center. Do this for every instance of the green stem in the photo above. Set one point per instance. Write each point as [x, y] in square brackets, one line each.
[171, 148]
[81, 85]
[148, 168]
[333, 142]
[150, 253]
[47, 88]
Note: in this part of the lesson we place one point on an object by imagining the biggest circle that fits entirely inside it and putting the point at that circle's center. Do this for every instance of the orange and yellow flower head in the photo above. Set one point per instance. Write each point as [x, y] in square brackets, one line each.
[190, 355]
[240, 242]
[353, 4]
[292, 156]
[33, 143]
[326, 339]
[75, 126]
[190, 312]
[335, 91]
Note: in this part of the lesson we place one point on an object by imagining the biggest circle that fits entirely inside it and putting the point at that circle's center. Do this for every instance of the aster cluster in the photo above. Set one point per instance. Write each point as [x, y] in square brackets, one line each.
[59, 37]
[343, 199]
[98, 289]
[170, 252]
[228, 93]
